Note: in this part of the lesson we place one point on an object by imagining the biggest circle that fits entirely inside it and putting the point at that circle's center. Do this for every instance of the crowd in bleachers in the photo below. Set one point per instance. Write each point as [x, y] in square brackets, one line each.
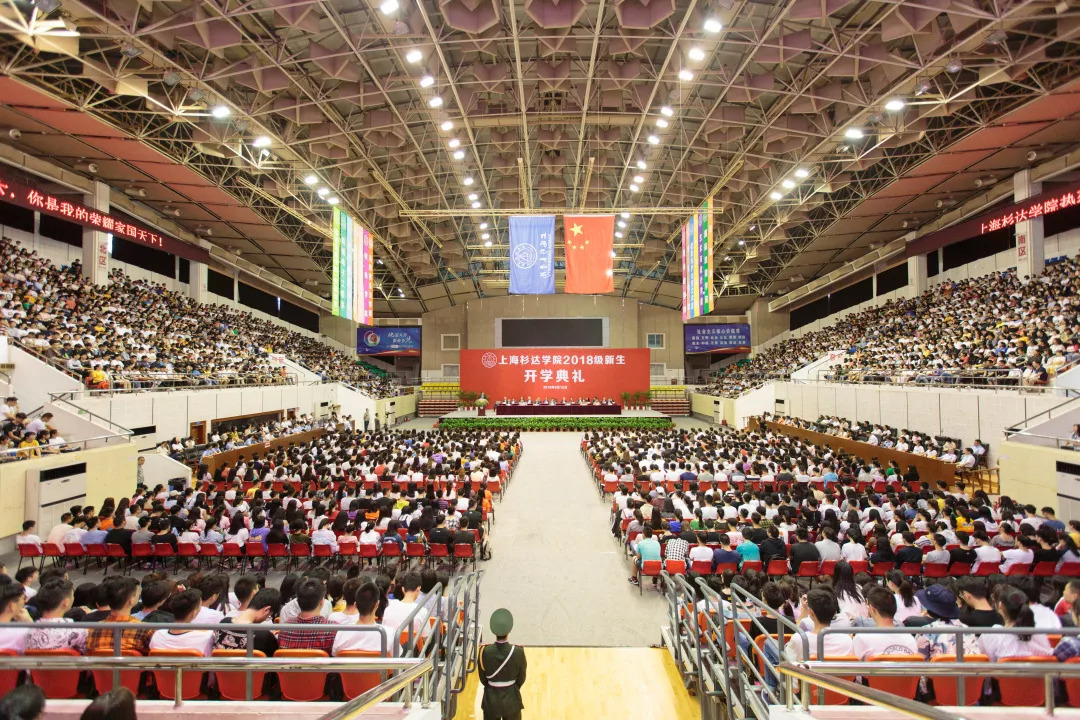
[241, 434]
[995, 329]
[138, 334]
[917, 443]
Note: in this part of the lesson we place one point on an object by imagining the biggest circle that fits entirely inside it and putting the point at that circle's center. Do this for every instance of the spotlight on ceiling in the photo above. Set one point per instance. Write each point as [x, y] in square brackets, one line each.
[485, 236]
[922, 87]
[895, 104]
[853, 133]
[170, 210]
[473, 196]
[261, 142]
[435, 102]
[86, 167]
[639, 179]
[997, 37]
[621, 223]
[953, 66]
[487, 243]
[642, 165]
[713, 25]
[459, 154]
[133, 191]
[129, 51]
[311, 179]
[467, 180]
[696, 54]
[787, 184]
[686, 75]
[221, 111]
[414, 56]
[323, 192]
[476, 205]
[625, 216]
[802, 173]
[204, 231]
[661, 122]
[447, 125]
[453, 143]
[388, 7]
[775, 195]
[945, 203]
[618, 234]
[634, 187]
[985, 181]
[654, 140]
[171, 79]
[666, 111]
[46, 6]
[333, 200]
[427, 81]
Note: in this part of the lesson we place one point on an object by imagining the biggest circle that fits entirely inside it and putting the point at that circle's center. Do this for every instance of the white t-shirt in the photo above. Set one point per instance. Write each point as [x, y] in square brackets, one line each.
[201, 640]
[13, 639]
[866, 645]
[986, 554]
[370, 641]
[208, 616]
[340, 618]
[903, 611]
[700, 552]
[396, 612]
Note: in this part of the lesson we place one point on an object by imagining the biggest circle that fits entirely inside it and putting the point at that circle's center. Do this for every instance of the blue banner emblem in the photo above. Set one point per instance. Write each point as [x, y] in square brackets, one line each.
[532, 255]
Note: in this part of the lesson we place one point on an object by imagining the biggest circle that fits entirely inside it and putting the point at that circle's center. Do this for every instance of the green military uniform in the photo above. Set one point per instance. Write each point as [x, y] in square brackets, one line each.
[502, 671]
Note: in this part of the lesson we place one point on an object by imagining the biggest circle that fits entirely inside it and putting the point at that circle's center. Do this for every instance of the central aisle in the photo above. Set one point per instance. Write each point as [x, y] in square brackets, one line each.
[556, 566]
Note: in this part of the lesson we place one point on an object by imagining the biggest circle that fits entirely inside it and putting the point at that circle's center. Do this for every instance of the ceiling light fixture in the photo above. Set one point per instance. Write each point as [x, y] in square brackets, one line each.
[311, 180]
[447, 125]
[753, 227]
[476, 205]
[388, 7]
[625, 216]
[654, 140]
[853, 133]
[467, 180]
[473, 196]
[686, 75]
[634, 187]
[171, 78]
[427, 81]
[333, 200]
[487, 244]
[622, 223]
[642, 165]
[483, 226]
[414, 56]
[787, 183]
[776, 195]
[742, 242]
[323, 192]
[713, 25]
[435, 102]
[639, 179]
[613, 254]
[262, 141]
[130, 51]
[953, 67]
[453, 143]
[802, 173]
[485, 236]
[618, 234]
[221, 111]
[661, 122]
[922, 87]
[696, 54]
[459, 154]
[666, 111]
[895, 104]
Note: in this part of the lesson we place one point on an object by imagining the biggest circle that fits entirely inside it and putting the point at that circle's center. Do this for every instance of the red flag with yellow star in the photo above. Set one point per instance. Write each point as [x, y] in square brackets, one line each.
[588, 241]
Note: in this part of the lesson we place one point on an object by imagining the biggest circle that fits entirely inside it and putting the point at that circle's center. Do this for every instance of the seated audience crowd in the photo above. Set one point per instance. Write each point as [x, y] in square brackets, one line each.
[242, 434]
[994, 329]
[136, 333]
[941, 448]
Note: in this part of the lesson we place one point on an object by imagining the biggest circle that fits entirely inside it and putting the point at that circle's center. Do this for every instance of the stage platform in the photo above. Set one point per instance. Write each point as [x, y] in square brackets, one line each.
[626, 413]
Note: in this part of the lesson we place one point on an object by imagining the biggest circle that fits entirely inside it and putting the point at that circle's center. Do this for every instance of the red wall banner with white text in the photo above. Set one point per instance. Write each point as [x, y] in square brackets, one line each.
[558, 373]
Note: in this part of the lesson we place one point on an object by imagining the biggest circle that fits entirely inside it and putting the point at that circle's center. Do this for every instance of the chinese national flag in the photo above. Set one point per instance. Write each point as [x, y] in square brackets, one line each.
[588, 241]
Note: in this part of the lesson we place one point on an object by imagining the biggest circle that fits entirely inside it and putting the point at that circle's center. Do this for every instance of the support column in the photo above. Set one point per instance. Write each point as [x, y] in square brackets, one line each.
[916, 274]
[765, 325]
[1030, 250]
[95, 243]
[197, 275]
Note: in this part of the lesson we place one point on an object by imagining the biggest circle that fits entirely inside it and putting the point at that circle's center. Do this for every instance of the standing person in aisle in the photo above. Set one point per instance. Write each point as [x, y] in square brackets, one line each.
[502, 671]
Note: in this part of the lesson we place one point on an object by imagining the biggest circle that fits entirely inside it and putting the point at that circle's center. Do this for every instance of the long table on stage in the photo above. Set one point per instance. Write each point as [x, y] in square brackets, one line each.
[560, 409]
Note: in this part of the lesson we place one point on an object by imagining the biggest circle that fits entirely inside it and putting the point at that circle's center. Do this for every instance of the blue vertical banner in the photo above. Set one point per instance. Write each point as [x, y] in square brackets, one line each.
[532, 254]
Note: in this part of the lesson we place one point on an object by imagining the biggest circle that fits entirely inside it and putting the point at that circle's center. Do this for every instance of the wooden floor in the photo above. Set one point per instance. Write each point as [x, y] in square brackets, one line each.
[572, 682]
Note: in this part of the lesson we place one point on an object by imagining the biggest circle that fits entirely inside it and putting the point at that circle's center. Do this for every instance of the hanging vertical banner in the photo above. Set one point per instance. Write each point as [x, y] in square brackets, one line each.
[351, 279]
[697, 265]
[589, 240]
[532, 254]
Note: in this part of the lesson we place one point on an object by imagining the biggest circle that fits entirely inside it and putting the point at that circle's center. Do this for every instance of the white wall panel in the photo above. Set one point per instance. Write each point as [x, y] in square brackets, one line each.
[959, 415]
[846, 401]
[893, 408]
[228, 404]
[826, 400]
[868, 404]
[923, 411]
[251, 402]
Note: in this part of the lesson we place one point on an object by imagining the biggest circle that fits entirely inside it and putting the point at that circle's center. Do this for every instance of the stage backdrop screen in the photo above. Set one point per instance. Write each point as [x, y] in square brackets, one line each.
[551, 332]
[718, 338]
[398, 341]
[562, 373]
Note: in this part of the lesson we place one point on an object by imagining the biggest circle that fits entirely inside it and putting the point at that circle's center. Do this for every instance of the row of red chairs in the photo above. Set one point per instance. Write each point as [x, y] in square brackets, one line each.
[295, 686]
[245, 554]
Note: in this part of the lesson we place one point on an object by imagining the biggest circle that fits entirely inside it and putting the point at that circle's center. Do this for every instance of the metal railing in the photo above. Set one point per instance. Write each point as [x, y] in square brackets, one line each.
[853, 690]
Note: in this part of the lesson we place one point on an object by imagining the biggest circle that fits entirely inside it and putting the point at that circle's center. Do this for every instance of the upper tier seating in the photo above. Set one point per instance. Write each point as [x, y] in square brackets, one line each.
[143, 335]
[988, 329]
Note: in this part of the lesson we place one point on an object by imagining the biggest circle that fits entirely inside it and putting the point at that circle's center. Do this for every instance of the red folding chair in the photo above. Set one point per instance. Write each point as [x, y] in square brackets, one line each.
[649, 568]
[301, 686]
[162, 552]
[828, 568]
[232, 684]
[465, 553]
[99, 553]
[987, 569]
[31, 552]
[901, 685]
[438, 550]
[8, 678]
[390, 550]
[190, 680]
[297, 552]
[415, 550]
[936, 570]
[368, 552]
[721, 567]
[754, 565]
[54, 551]
[208, 553]
[275, 552]
[1023, 691]
[675, 567]
[911, 569]
[355, 684]
[777, 568]
[946, 687]
[57, 684]
[959, 569]
[115, 551]
[858, 566]
[701, 567]
[880, 569]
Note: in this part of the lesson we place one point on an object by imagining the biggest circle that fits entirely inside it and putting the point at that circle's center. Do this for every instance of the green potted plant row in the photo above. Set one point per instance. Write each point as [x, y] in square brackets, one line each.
[557, 424]
[637, 400]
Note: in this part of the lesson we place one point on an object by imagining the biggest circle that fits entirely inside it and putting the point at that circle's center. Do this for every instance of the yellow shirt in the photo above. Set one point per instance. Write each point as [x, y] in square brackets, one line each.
[30, 452]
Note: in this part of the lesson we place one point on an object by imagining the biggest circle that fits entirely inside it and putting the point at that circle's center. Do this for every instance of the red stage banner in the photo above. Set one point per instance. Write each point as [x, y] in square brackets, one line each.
[555, 373]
